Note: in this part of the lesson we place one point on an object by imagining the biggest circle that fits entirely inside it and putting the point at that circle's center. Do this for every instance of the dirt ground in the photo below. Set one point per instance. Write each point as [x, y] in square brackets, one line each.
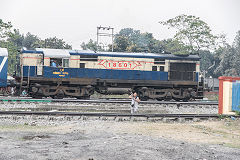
[96, 139]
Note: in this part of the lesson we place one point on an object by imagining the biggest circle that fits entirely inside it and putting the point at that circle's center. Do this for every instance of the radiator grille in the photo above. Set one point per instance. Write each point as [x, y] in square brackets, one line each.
[182, 71]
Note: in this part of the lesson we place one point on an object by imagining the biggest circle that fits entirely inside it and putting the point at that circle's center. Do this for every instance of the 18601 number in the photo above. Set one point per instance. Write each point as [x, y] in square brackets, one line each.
[119, 65]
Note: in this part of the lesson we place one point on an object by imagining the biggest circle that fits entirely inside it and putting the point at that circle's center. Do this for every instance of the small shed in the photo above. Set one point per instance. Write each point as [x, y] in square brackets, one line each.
[229, 95]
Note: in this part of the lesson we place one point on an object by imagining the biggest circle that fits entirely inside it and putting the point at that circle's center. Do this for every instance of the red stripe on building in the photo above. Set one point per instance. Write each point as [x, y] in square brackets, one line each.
[220, 96]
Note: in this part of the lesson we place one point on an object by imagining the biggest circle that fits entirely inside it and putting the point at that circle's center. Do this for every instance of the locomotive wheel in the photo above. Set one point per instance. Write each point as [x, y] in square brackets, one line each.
[37, 96]
[186, 99]
[177, 99]
[144, 98]
[167, 98]
[83, 97]
[141, 94]
[160, 99]
[59, 95]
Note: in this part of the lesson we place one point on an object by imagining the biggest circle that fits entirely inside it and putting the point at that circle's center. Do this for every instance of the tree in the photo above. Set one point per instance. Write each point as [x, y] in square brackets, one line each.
[208, 63]
[130, 40]
[226, 65]
[121, 43]
[5, 29]
[16, 38]
[91, 45]
[174, 46]
[126, 40]
[13, 57]
[55, 43]
[236, 42]
[194, 33]
[31, 41]
[236, 47]
[5, 34]
[228, 58]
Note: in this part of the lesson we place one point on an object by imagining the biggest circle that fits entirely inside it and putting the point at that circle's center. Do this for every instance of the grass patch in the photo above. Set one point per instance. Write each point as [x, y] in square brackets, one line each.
[24, 126]
[32, 137]
[231, 145]
[227, 130]
[211, 97]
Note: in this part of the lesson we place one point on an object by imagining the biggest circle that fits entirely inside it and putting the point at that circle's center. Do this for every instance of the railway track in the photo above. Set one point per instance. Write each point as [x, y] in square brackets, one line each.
[108, 114]
[95, 106]
[68, 116]
[106, 101]
[116, 109]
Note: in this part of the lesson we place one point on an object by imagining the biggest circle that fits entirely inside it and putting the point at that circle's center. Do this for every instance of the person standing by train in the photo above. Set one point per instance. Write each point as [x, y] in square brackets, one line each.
[134, 103]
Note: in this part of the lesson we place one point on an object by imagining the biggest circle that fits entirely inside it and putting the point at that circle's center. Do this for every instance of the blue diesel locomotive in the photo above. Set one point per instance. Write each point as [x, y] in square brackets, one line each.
[78, 73]
[3, 67]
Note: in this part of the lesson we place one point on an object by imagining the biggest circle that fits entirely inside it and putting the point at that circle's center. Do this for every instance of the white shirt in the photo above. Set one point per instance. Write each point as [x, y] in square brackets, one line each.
[134, 102]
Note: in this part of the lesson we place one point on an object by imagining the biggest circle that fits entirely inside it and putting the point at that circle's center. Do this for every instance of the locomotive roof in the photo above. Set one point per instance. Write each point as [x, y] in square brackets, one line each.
[54, 53]
[66, 53]
[3, 52]
[135, 55]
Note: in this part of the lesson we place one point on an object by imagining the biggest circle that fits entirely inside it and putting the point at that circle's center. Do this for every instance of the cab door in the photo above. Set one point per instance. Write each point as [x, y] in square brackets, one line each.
[40, 65]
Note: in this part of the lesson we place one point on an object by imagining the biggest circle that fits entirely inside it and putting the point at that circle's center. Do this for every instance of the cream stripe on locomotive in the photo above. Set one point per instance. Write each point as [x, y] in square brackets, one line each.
[30, 59]
[125, 63]
[121, 63]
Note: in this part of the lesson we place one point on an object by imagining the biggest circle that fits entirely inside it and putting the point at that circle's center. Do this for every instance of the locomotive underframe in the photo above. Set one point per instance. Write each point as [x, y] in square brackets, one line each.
[84, 87]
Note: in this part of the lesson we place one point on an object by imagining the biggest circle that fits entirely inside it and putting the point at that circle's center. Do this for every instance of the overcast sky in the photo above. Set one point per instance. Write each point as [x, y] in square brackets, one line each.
[75, 21]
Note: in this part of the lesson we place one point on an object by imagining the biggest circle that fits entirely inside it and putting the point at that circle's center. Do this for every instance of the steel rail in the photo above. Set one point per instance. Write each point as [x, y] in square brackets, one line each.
[111, 114]
[108, 101]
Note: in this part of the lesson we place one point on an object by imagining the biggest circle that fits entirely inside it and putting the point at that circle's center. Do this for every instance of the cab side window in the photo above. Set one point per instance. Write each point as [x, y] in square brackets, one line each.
[65, 62]
[82, 65]
[154, 68]
[56, 62]
[161, 68]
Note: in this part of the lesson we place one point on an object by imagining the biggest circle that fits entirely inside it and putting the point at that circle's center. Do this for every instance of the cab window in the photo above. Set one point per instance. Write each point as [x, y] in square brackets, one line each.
[65, 62]
[56, 62]
[154, 68]
[82, 65]
[161, 68]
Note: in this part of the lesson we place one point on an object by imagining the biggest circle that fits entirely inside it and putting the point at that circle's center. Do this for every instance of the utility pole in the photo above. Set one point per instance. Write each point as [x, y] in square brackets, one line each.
[109, 32]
